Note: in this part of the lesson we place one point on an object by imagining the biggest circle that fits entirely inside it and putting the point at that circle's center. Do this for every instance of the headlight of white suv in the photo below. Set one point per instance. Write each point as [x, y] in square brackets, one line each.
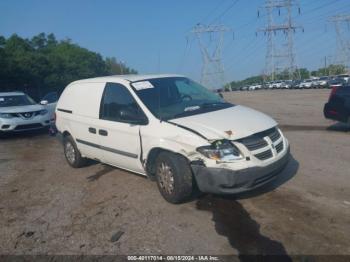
[221, 150]
[5, 115]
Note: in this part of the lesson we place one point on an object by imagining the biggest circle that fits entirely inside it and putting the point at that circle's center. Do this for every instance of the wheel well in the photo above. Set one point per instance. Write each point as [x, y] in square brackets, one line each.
[151, 160]
[65, 134]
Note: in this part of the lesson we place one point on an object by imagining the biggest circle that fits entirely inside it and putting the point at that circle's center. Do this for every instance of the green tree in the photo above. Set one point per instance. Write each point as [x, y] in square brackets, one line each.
[42, 64]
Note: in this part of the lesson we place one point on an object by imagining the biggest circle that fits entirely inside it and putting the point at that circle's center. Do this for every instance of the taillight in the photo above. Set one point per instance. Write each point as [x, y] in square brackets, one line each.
[334, 90]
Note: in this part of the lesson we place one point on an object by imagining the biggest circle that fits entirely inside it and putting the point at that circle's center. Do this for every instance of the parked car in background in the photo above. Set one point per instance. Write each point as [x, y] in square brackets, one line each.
[338, 105]
[338, 82]
[323, 82]
[307, 83]
[254, 87]
[295, 84]
[173, 130]
[19, 112]
[277, 84]
[345, 77]
[287, 84]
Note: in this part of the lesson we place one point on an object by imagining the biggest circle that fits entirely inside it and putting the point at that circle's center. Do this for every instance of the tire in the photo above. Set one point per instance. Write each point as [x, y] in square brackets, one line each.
[72, 153]
[174, 177]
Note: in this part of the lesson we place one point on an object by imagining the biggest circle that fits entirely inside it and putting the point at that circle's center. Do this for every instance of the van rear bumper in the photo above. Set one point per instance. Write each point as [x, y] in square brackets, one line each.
[226, 181]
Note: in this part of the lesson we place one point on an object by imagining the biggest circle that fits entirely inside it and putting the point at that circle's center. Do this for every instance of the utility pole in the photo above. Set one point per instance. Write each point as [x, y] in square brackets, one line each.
[342, 39]
[211, 39]
[280, 58]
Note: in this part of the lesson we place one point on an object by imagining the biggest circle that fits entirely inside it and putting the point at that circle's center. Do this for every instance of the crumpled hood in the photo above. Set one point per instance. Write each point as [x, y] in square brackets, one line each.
[241, 121]
[21, 109]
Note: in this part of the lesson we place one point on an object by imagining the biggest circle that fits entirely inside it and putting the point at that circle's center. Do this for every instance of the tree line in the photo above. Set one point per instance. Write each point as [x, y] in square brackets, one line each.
[44, 64]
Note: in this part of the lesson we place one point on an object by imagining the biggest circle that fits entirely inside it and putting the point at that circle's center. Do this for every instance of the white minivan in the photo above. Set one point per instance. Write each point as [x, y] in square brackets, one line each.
[171, 129]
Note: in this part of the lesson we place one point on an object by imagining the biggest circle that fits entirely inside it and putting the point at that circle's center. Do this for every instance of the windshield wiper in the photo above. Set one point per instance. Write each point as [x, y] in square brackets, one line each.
[214, 104]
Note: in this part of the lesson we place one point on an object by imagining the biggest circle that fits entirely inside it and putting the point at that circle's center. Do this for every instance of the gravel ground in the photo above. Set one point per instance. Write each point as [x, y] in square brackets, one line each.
[46, 207]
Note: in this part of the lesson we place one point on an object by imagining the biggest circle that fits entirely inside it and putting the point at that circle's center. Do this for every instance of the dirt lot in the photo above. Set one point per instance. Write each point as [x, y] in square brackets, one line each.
[46, 207]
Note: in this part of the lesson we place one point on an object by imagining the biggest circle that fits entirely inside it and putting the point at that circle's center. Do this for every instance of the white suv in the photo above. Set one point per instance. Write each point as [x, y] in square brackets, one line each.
[19, 112]
[172, 130]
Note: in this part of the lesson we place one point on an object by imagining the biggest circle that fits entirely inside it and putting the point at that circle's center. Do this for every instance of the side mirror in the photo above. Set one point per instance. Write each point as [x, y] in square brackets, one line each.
[44, 102]
[132, 117]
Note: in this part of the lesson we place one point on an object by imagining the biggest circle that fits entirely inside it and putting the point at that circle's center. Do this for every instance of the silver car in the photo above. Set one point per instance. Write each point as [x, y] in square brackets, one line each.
[19, 112]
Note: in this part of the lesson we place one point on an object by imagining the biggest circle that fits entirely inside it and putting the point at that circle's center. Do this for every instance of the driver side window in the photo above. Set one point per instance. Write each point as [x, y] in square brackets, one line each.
[115, 99]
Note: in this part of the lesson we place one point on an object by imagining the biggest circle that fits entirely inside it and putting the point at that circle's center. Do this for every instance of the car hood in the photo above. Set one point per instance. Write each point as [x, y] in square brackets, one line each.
[21, 109]
[231, 123]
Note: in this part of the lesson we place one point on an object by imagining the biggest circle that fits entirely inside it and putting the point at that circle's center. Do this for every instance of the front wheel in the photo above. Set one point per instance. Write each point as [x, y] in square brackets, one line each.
[72, 153]
[174, 177]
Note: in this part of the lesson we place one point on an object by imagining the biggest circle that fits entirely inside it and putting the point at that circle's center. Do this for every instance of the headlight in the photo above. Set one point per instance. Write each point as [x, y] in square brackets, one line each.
[222, 150]
[43, 112]
[5, 115]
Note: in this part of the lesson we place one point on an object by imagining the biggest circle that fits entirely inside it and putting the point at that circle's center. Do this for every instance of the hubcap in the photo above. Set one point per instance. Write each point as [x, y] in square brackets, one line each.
[70, 152]
[166, 177]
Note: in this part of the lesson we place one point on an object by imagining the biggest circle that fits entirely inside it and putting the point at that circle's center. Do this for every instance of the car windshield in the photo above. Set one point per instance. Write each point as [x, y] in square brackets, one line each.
[16, 100]
[174, 97]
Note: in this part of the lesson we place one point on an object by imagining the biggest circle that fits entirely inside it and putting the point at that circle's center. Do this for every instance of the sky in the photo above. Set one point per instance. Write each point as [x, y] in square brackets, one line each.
[154, 36]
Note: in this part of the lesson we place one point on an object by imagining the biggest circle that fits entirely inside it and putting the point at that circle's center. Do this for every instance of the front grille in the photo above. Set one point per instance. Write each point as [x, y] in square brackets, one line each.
[27, 115]
[29, 126]
[273, 134]
[264, 155]
[279, 147]
[253, 143]
[257, 141]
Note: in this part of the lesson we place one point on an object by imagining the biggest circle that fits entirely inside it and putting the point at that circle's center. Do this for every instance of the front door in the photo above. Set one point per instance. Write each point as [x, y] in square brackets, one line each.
[119, 138]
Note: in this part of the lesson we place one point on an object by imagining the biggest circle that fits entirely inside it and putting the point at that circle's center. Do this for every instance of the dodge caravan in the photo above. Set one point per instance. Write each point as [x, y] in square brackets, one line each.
[172, 130]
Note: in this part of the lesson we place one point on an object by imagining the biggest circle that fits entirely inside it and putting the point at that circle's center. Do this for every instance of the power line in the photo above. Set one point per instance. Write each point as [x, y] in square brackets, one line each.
[224, 12]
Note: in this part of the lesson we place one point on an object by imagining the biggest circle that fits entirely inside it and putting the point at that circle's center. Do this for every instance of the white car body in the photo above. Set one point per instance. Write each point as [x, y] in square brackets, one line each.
[277, 84]
[308, 83]
[322, 81]
[22, 118]
[129, 146]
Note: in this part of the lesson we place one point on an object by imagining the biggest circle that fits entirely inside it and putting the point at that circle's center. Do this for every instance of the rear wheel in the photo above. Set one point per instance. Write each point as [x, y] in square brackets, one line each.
[174, 177]
[72, 153]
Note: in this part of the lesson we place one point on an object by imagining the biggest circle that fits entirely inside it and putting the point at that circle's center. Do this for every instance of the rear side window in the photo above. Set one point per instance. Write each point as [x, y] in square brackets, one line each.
[116, 97]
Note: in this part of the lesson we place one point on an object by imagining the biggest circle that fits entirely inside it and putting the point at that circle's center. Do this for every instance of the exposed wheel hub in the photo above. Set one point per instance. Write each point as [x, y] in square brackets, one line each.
[70, 152]
[166, 177]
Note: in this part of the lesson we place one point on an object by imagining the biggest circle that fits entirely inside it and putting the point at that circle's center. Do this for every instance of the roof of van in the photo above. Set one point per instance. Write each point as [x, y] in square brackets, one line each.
[131, 78]
[11, 93]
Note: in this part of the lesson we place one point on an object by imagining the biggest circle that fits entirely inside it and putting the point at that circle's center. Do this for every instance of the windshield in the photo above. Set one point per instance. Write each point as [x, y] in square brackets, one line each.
[175, 97]
[16, 100]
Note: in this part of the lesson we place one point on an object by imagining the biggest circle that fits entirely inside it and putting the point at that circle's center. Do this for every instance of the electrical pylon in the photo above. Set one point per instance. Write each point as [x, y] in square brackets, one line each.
[211, 39]
[342, 39]
[280, 58]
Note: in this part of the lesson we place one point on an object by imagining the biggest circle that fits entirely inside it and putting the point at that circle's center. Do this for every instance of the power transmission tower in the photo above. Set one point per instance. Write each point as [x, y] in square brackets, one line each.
[342, 39]
[280, 58]
[211, 39]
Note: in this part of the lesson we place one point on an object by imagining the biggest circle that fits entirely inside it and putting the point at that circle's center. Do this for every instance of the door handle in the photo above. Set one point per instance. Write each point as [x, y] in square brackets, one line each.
[103, 132]
[92, 130]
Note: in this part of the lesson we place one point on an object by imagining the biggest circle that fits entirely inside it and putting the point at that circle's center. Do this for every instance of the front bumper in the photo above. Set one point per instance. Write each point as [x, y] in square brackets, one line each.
[227, 181]
[18, 124]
